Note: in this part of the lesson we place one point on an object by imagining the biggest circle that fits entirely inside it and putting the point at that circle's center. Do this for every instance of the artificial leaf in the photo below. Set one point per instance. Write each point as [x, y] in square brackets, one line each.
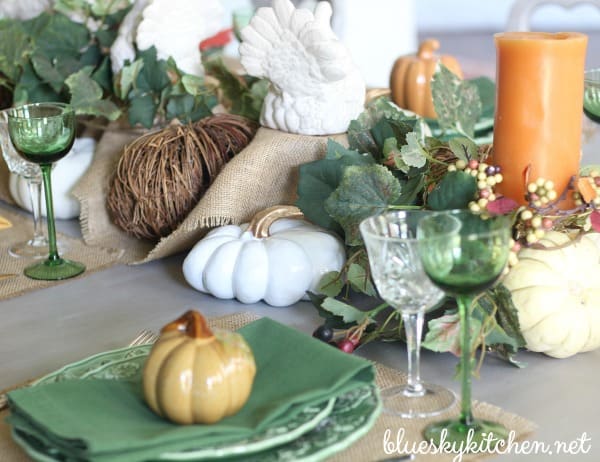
[507, 314]
[258, 92]
[193, 84]
[320, 178]
[502, 206]
[454, 191]
[242, 96]
[595, 220]
[153, 75]
[30, 89]
[464, 148]
[412, 152]
[142, 110]
[411, 187]
[186, 108]
[127, 77]
[331, 284]
[348, 313]
[86, 96]
[443, 333]
[390, 128]
[392, 151]
[457, 102]
[362, 131]
[56, 36]
[15, 47]
[486, 88]
[103, 75]
[359, 280]
[106, 7]
[47, 71]
[331, 320]
[364, 191]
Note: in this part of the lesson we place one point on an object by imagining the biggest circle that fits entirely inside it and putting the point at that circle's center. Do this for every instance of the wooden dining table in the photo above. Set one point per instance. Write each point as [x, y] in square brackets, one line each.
[42, 330]
[45, 329]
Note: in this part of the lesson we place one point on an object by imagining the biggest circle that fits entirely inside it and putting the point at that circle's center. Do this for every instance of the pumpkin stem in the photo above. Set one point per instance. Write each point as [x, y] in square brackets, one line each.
[192, 323]
[427, 48]
[262, 221]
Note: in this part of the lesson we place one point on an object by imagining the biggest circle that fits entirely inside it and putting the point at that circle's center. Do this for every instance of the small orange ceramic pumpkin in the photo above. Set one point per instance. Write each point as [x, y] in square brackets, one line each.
[193, 375]
[411, 77]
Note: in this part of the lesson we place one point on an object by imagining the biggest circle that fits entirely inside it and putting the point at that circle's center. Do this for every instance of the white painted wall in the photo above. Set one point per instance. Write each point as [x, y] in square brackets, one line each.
[456, 15]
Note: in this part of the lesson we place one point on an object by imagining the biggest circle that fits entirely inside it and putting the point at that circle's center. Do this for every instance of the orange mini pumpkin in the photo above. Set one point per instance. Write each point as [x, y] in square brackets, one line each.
[411, 77]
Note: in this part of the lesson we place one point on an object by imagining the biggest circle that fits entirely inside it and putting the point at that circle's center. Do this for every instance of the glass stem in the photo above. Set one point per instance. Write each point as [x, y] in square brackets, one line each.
[35, 196]
[46, 175]
[464, 306]
[413, 326]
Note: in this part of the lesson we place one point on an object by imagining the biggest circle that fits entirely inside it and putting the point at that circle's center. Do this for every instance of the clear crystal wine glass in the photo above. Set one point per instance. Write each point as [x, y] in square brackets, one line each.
[464, 254]
[43, 133]
[37, 245]
[391, 243]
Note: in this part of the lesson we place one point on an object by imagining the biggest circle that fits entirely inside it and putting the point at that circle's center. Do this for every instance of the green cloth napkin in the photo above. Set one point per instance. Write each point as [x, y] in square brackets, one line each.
[107, 420]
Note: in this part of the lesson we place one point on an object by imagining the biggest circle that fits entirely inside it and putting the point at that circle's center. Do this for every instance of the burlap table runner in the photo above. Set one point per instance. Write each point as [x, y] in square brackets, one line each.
[264, 174]
[94, 258]
[369, 447]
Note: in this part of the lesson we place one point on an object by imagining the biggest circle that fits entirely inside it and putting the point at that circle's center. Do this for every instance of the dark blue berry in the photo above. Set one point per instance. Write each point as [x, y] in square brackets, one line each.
[323, 333]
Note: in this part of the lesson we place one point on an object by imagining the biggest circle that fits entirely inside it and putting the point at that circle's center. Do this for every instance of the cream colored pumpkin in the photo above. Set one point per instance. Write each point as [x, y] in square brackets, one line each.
[557, 294]
[274, 258]
[193, 375]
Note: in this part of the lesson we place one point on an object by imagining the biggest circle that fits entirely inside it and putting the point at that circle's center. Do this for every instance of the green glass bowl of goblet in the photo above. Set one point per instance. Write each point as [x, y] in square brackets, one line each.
[464, 254]
[43, 133]
[591, 94]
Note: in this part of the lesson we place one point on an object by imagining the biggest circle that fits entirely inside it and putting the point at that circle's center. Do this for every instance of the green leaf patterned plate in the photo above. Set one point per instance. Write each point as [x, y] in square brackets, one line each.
[316, 433]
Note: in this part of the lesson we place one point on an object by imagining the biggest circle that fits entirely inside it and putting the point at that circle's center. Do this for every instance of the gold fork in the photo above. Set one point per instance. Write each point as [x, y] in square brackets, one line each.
[143, 338]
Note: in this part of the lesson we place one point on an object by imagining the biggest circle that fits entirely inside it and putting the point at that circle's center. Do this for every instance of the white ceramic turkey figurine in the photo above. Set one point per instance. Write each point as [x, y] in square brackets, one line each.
[277, 258]
[315, 88]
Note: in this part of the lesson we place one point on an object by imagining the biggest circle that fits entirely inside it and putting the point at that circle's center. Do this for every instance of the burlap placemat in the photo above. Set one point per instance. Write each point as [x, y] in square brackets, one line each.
[264, 174]
[94, 258]
[369, 447]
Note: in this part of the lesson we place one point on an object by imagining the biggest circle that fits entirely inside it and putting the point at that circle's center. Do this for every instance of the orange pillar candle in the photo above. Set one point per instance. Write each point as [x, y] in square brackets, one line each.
[539, 108]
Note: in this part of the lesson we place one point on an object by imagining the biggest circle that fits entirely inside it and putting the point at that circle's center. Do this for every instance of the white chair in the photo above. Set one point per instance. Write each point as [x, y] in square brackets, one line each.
[522, 10]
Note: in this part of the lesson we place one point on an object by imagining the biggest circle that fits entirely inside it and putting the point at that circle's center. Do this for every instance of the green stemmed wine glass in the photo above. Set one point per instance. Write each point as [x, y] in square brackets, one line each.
[464, 254]
[591, 94]
[43, 133]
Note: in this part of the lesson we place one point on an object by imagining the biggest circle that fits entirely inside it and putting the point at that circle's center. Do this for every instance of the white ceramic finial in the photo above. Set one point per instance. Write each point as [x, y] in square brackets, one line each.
[315, 87]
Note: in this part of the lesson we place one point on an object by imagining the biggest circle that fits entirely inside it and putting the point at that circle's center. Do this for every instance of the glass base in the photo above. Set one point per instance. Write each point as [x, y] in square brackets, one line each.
[35, 249]
[54, 270]
[403, 402]
[474, 437]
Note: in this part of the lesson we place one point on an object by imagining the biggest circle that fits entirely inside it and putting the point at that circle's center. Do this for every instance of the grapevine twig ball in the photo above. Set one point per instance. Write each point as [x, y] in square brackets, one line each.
[162, 175]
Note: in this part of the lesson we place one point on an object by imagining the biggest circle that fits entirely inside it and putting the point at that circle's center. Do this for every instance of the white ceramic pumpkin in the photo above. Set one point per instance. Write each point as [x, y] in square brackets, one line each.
[557, 294]
[65, 175]
[275, 258]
